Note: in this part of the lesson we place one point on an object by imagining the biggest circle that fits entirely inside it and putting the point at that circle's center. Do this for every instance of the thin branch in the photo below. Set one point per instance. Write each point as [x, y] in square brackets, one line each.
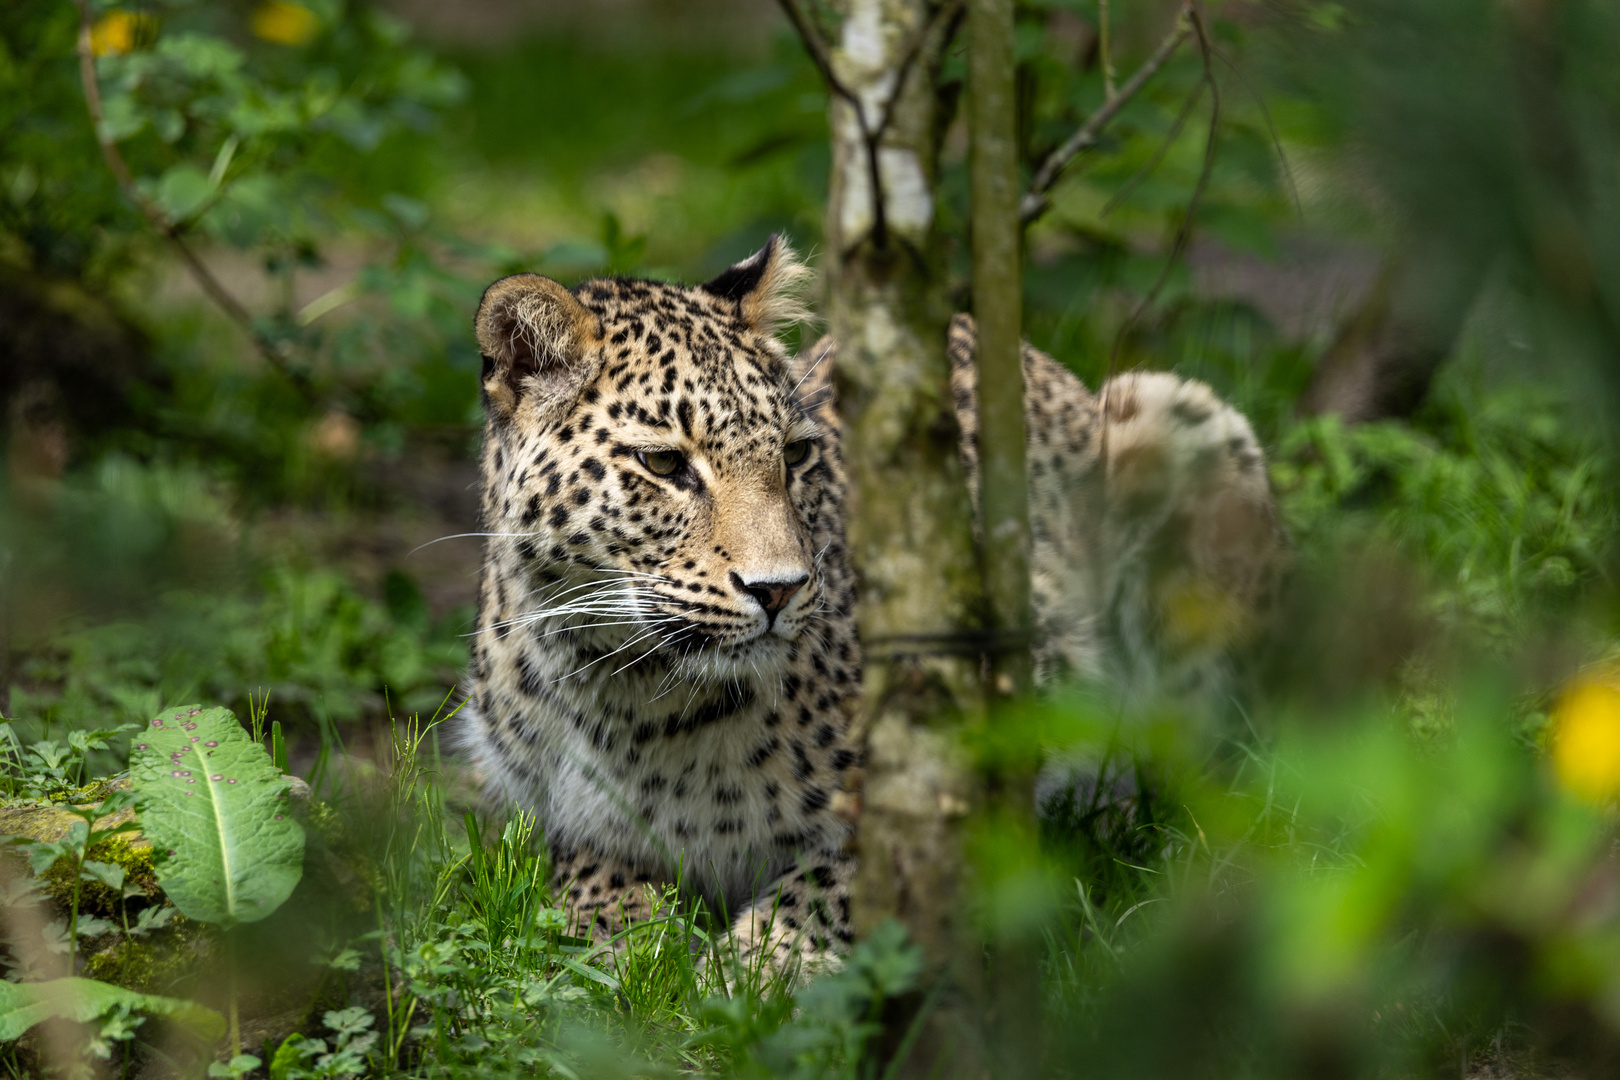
[171, 231]
[820, 52]
[1105, 50]
[1184, 230]
[1271, 129]
[949, 15]
[1206, 51]
[1035, 201]
[1163, 148]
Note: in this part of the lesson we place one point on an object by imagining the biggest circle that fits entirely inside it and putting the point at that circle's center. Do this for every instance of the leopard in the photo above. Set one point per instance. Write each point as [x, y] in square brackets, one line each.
[665, 667]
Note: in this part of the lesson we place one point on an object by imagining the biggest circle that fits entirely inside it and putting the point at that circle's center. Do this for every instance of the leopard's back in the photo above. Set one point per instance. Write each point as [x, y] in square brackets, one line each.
[1155, 540]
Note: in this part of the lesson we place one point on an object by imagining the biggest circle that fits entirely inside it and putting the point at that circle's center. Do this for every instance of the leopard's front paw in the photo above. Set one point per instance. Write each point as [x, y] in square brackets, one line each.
[801, 927]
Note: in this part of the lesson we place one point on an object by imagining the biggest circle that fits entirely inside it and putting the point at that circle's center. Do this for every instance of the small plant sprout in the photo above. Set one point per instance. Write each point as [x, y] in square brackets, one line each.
[70, 852]
[258, 709]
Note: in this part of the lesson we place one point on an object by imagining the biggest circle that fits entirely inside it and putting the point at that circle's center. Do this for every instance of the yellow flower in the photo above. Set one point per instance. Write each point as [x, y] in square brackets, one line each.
[120, 32]
[1586, 739]
[1198, 614]
[285, 23]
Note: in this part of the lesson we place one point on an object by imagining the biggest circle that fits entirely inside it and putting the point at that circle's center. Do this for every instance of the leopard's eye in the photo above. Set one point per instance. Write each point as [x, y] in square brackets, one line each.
[797, 451]
[662, 462]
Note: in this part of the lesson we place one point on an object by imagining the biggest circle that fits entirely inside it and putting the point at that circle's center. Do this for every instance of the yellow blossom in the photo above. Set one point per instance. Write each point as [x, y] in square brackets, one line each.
[285, 23]
[119, 32]
[1198, 614]
[1586, 739]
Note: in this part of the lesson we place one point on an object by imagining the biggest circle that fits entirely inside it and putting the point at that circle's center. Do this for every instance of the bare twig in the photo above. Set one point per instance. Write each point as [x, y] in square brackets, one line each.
[1035, 201]
[1163, 148]
[1200, 30]
[1105, 51]
[949, 16]
[820, 52]
[1271, 129]
[1206, 52]
[171, 231]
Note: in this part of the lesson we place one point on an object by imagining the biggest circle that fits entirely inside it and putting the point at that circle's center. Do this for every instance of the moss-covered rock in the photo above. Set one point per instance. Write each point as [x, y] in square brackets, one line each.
[149, 962]
[50, 822]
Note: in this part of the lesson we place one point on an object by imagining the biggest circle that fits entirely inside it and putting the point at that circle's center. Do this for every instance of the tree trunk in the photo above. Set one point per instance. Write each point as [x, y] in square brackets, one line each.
[1013, 1009]
[998, 300]
[910, 525]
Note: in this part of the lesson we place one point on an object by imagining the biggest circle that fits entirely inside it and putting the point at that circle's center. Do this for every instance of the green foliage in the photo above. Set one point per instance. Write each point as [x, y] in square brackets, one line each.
[47, 769]
[299, 1058]
[60, 204]
[1348, 892]
[68, 857]
[322, 649]
[1505, 504]
[216, 807]
[822, 1031]
[22, 1005]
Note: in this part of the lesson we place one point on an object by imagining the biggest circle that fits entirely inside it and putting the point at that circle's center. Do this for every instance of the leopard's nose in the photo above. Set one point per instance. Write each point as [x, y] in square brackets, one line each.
[773, 592]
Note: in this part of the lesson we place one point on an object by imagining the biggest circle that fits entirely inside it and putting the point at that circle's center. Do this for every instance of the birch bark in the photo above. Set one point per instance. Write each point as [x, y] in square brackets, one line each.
[910, 524]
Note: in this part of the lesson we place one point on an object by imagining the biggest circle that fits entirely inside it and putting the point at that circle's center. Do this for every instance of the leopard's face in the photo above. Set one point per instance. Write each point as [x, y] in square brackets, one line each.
[660, 488]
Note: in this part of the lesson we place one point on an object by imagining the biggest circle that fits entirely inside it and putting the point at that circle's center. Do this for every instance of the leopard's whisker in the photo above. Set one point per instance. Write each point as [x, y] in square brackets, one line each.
[465, 535]
[599, 659]
[811, 369]
[632, 663]
[581, 608]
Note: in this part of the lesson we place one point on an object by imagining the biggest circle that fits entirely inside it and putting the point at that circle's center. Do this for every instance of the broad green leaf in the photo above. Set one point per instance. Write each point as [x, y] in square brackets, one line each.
[215, 809]
[22, 1005]
[182, 191]
[122, 117]
[108, 874]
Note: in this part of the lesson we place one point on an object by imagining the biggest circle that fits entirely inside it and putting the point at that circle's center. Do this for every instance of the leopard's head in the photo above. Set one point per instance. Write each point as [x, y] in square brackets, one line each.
[657, 467]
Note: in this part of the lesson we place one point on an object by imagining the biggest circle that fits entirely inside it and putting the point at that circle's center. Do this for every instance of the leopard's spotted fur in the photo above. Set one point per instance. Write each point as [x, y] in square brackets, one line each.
[629, 680]
[665, 663]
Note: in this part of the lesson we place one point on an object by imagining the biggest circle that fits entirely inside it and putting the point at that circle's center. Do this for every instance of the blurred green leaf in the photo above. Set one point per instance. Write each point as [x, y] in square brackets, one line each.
[22, 1005]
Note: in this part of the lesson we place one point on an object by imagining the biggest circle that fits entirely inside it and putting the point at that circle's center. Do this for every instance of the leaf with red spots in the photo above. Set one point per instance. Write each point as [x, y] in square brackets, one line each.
[213, 802]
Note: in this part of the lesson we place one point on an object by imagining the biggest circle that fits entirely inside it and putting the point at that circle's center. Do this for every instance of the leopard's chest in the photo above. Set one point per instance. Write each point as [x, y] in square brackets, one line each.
[724, 782]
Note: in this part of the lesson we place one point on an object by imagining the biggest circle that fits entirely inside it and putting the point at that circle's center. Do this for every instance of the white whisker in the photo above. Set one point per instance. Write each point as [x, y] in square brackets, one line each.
[639, 637]
[463, 536]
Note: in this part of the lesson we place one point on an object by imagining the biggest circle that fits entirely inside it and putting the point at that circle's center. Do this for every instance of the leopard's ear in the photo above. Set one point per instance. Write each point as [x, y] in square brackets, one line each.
[766, 287]
[539, 344]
